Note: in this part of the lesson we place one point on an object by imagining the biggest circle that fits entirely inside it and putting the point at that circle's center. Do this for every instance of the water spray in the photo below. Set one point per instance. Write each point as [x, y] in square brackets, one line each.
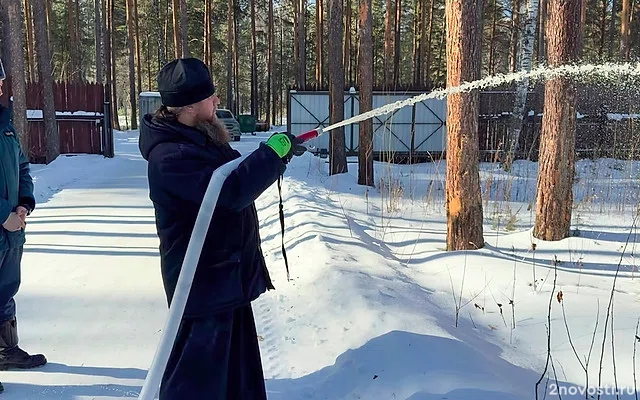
[575, 71]
[196, 242]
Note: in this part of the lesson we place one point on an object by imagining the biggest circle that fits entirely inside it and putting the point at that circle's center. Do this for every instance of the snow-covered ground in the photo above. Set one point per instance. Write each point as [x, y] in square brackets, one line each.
[370, 312]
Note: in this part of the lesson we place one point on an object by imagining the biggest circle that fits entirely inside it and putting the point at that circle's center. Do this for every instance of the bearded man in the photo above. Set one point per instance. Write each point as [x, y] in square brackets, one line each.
[216, 353]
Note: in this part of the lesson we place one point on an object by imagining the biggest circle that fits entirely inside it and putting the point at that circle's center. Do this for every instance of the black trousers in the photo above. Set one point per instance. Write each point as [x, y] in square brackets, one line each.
[215, 358]
[9, 281]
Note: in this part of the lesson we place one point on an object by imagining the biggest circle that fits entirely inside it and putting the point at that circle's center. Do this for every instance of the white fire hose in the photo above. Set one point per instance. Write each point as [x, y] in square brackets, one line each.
[185, 279]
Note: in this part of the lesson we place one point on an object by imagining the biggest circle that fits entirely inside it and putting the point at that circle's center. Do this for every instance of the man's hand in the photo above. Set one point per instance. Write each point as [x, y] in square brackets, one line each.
[286, 145]
[22, 212]
[13, 223]
[296, 144]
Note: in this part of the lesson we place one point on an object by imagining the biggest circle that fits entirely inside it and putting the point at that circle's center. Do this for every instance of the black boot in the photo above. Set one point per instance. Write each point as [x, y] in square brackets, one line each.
[12, 356]
[1, 388]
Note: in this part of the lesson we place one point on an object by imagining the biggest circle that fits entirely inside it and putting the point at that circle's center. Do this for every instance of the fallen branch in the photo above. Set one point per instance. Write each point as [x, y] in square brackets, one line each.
[546, 365]
[555, 376]
[613, 356]
[610, 306]
[635, 341]
[499, 307]
[535, 282]
[585, 365]
[513, 298]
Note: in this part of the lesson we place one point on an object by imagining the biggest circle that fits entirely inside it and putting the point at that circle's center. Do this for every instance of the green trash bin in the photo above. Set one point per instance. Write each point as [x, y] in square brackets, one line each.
[247, 123]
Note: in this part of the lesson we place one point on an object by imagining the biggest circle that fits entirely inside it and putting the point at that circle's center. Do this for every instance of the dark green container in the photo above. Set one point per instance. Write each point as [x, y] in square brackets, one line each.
[247, 123]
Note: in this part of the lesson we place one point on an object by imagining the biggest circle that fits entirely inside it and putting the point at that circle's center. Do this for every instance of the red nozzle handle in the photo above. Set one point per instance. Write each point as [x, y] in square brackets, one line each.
[305, 137]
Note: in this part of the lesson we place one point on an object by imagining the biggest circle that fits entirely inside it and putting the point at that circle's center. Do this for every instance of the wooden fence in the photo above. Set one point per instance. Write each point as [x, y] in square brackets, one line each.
[80, 116]
[608, 123]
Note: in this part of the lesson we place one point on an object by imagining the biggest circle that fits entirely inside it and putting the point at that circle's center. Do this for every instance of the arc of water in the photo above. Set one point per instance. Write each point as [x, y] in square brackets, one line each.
[607, 69]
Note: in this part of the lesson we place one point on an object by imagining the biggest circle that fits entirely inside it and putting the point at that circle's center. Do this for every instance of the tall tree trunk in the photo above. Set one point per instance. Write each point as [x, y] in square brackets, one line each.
[296, 42]
[213, 49]
[163, 37]
[319, 42]
[603, 29]
[132, 68]
[105, 39]
[137, 45]
[230, 54]
[365, 66]
[526, 40]
[114, 86]
[492, 41]
[463, 196]
[148, 58]
[355, 54]
[442, 63]
[160, 30]
[49, 5]
[106, 55]
[612, 27]
[416, 62]
[80, 76]
[346, 56]
[281, 69]
[157, 31]
[542, 41]
[166, 30]
[396, 54]
[583, 24]
[427, 64]
[515, 26]
[625, 29]
[254, 62]
[557, 141]
[270, 104]
[388, 45]
[31, 56]
[337, 156]
[72, 43]
[175, 8]
[184, 31]
[423, 43]
[301, 64]
[99, 43]
[6, 33]
[76, 56]
[206, 35]
[635, 30]
[236, 64]
[15, 69]
[52, 137]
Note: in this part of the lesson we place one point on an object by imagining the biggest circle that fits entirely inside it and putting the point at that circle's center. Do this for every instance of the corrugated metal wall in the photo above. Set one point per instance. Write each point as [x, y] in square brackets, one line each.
[148, 103]
[423, 122]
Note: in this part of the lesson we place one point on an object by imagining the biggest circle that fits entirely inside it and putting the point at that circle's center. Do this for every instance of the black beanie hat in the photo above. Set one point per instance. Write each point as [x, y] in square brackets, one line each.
[184, 81]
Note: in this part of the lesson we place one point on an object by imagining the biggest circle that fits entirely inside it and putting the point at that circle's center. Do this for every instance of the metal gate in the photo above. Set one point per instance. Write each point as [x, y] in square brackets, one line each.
[417, 131]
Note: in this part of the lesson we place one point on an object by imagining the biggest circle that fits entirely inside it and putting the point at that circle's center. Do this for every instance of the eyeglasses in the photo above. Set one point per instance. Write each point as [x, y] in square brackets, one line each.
[2, 74]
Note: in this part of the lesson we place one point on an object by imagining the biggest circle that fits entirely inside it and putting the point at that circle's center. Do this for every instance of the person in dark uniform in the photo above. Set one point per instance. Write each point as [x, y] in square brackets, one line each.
[216, 353]
[16, 203]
